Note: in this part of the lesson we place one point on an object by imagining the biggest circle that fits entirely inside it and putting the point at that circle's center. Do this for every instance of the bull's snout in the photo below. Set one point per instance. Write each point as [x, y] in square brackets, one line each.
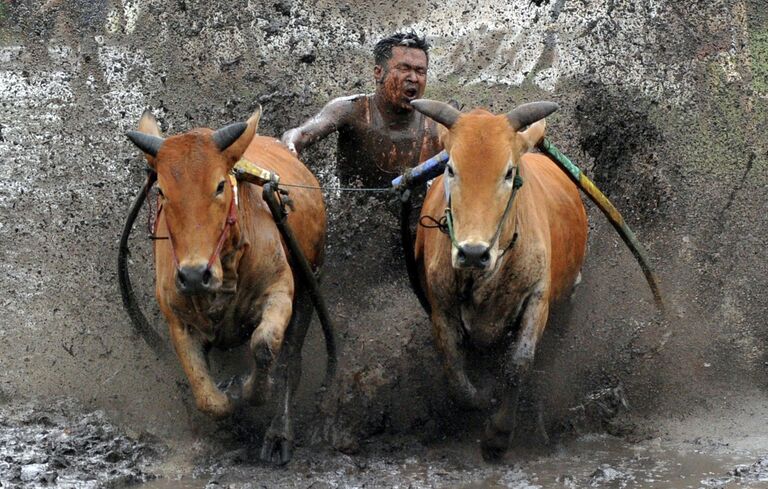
[194, 279]
[473, 255]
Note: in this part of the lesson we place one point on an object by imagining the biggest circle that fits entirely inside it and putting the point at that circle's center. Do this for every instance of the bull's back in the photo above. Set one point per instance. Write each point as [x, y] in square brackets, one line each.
[308, 221]
[552, 196]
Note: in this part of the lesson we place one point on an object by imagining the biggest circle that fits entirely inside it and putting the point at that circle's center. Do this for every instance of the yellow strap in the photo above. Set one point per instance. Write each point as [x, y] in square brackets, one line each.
[253, 173]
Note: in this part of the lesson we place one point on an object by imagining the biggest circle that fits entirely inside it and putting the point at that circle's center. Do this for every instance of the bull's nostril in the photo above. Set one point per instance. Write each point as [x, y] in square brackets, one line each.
[486, 257]
[207, 277]
[181, 278]
[462, 256]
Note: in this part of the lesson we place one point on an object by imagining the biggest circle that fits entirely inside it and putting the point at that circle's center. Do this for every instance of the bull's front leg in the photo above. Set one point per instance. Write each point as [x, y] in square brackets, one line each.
[518, 362]
[448, 339]
[275, 306]
[278, 440]
[189, 346]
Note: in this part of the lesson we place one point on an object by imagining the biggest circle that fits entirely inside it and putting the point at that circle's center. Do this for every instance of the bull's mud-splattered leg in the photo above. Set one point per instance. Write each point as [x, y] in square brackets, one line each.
[518, 362]
[266, 342]
[278, 440]
[448, 339]
[190, 348]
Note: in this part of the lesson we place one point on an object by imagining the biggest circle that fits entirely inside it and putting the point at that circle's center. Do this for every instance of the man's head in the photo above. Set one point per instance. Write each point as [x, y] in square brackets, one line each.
[401, 68]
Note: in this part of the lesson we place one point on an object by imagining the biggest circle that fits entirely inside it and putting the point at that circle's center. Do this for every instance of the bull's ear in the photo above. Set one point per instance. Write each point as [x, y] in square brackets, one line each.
[235, 150]
[443, 133]
[444, 136]
[532, 136]
[148, 137]
[148, 124]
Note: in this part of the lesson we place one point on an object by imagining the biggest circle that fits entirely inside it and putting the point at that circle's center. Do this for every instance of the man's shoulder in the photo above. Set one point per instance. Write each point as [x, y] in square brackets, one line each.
[352, 98]
[350, 111]
[348, 102]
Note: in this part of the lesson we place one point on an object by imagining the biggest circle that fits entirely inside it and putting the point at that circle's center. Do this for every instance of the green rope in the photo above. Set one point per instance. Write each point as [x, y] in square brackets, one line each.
[611, 213]
[449, 222]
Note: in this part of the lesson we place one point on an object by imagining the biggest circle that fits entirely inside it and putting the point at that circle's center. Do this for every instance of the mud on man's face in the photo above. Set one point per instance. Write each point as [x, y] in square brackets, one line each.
[404, 78]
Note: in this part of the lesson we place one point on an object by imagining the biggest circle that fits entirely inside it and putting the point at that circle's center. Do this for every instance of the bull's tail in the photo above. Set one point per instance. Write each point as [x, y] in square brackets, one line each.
[610, 211]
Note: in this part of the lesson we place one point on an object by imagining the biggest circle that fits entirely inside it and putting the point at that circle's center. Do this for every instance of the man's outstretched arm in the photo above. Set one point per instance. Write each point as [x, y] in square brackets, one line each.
[335, 115]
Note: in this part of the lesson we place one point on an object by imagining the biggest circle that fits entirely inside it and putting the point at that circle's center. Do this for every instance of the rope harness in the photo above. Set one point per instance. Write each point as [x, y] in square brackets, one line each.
[417, 176]
[448, 218]
[230, 221]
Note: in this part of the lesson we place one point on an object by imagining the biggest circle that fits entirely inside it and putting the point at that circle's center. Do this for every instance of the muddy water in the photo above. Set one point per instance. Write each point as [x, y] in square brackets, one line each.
[590, 461]
[58, 446]
[52, 447]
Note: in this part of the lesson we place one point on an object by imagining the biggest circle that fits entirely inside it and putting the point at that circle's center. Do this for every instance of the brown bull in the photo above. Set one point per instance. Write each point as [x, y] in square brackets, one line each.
[511, 251]
[223, 276]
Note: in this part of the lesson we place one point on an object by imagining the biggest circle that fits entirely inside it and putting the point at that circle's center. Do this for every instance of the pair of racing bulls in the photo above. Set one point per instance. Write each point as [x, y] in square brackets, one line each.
[224, 276]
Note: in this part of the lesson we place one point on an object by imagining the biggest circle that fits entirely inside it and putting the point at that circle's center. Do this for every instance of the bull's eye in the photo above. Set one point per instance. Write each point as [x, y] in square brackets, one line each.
[220, 188]
[160, 192]
[450, 171]
[510, 174]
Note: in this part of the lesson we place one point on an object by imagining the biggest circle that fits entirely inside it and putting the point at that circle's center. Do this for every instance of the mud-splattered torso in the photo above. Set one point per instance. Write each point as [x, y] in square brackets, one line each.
[371, 151]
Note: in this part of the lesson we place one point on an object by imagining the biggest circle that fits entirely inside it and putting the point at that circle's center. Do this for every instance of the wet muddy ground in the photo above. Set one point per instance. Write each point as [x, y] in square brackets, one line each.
[589, 461]
[56, 447]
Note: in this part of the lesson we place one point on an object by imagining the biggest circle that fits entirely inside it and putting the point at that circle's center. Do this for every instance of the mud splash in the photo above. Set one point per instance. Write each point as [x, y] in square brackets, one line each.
[50, 447]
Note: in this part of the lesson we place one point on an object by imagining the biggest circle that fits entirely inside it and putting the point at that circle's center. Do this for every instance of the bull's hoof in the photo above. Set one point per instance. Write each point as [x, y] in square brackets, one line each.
[494, 444]
[277, 448]
[216, 405]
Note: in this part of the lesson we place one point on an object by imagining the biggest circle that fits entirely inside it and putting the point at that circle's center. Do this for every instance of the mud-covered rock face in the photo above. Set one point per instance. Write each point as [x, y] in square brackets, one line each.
[616, 134]
[664, 106]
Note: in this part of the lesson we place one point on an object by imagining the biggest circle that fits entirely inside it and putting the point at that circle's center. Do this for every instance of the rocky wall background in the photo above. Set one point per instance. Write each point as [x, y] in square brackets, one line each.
[664, 105]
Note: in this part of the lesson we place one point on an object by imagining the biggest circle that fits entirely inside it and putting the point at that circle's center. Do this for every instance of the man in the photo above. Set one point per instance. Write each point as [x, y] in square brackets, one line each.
[380, 135]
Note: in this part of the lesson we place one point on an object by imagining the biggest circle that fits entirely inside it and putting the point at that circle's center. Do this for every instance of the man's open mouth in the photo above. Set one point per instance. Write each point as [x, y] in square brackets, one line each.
[411, 93]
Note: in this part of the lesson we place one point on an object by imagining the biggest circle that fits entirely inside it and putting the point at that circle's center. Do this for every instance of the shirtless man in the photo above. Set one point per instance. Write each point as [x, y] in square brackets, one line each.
[380, 135]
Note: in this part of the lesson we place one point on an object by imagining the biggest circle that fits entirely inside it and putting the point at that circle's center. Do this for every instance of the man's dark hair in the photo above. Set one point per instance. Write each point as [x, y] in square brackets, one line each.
[383, 49]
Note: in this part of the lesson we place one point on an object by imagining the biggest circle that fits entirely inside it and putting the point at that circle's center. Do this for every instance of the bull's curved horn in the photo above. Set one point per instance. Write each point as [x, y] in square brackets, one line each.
[527, 114]
[439, 111]
[229, 134]
[146, 142]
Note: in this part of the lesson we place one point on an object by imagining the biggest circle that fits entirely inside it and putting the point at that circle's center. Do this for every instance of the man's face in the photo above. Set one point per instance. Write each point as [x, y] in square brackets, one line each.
[404, 78]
